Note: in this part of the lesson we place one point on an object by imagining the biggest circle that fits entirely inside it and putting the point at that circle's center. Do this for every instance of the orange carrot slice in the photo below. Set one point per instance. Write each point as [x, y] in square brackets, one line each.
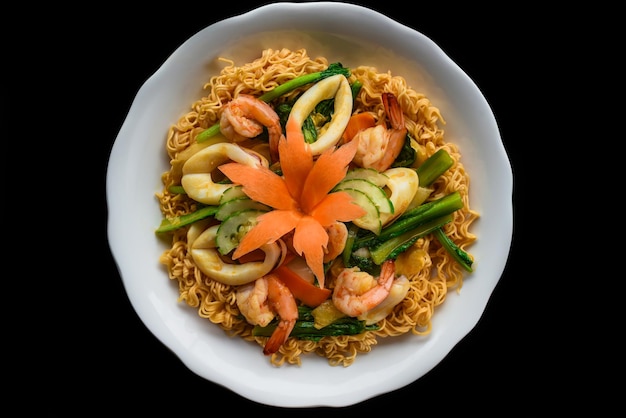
[310, 239]
[306, 292]
[329, 169]
[357, 123]
[296, 159]
[271, 226]
[337, 206]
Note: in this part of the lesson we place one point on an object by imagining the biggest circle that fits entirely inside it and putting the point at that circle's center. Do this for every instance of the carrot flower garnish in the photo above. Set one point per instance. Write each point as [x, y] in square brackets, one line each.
[300, 198]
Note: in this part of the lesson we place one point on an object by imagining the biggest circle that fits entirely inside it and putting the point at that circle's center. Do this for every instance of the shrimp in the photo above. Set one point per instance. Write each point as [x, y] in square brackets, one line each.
[337, 237]
[379, 145]
[245, 116]
[357, 292]
[397, 293]
[261, 301]
[252, 302]
[282, 301]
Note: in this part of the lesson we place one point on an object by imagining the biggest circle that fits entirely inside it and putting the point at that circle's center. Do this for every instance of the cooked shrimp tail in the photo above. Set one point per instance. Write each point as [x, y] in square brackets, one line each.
[393, 111]
[245, 116]
[380, 145]
[282, 301]
[337, 237]
[253, 304]
[357, 292]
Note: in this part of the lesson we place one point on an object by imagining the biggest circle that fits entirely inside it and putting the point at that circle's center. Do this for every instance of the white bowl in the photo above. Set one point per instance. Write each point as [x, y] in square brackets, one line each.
[352, 35]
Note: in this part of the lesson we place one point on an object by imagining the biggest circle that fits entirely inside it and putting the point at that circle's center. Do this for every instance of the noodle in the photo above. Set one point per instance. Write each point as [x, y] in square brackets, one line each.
[430, 269]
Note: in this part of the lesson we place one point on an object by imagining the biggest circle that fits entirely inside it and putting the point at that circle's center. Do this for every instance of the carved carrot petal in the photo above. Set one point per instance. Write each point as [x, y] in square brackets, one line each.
[296, 159]
[260, 184]
[329, 169]
[337, 206]
[310, 239]
[272, 225]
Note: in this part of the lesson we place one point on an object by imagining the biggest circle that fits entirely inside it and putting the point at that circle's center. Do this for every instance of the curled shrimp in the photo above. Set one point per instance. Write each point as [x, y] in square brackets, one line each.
[380, 145]
[397, 293]
[253, 304]
[282, 301]
[337, 237]
[245, 116]
[259, 302]
[357, 292]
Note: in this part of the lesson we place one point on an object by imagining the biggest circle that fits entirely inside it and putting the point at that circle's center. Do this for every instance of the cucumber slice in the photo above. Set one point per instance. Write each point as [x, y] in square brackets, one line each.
[375, 193]
[232, 193]
[236, 205]
[375, 176]
[234, 227]
[371, 219]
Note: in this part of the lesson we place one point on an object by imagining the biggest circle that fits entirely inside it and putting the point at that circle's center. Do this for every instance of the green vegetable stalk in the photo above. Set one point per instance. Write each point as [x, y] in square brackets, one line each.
[333, 69]
[428, 172]
[176, 189]
[304, 328]
[170, 224]
[391, 248]
[347, 251]
[457, 253]
[433, 167]
[412, 219]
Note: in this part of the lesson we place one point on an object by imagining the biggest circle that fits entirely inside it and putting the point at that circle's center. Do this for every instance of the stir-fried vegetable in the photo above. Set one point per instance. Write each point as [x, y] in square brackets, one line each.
[391, 248]
[413, 224]
[305, 328]
[433, 167]
[428, 172]
[459, 255]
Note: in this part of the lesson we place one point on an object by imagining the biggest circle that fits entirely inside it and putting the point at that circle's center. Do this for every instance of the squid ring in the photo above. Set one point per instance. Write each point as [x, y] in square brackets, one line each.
[403, 183]
[197, 179]
[207, 258]
[336, 86]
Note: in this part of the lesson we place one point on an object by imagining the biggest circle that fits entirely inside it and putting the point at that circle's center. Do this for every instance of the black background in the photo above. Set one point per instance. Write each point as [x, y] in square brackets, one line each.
[511, 361]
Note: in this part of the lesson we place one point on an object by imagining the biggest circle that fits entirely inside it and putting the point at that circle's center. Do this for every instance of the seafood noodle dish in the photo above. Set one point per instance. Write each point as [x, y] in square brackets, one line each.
[313, 208]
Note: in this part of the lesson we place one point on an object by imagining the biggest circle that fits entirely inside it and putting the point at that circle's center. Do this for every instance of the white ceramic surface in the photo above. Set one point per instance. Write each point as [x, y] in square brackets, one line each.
[352, 35]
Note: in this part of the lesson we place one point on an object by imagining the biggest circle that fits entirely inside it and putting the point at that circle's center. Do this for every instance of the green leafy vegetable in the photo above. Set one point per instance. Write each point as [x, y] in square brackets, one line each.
[407, 154]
